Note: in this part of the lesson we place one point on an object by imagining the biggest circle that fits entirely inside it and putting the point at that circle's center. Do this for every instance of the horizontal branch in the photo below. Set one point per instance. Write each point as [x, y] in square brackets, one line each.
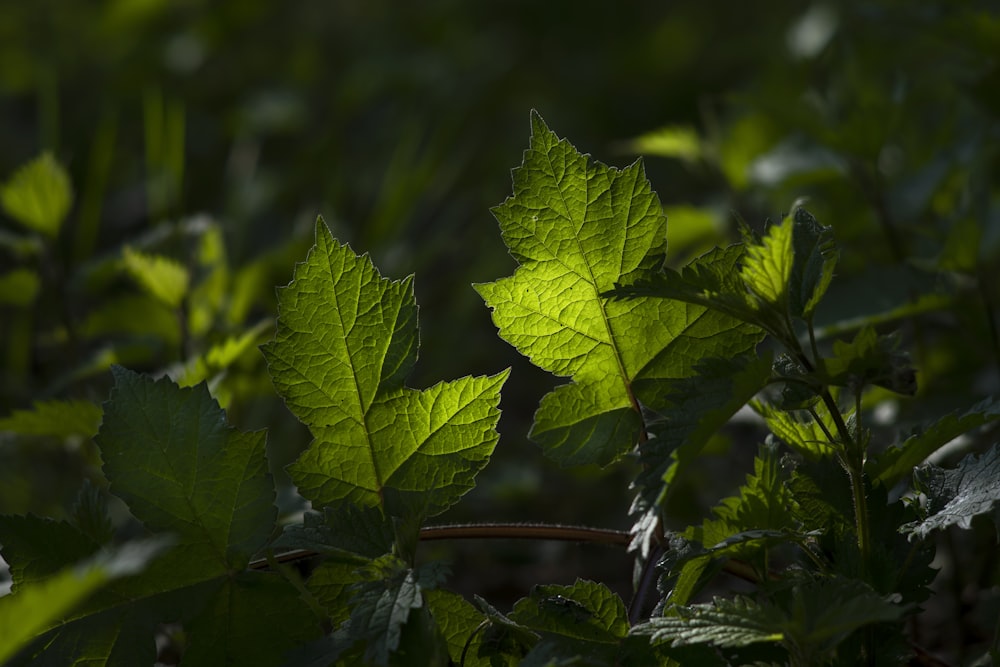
[495, 531]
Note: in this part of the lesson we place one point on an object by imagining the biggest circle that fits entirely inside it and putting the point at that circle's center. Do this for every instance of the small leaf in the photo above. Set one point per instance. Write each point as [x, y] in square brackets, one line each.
[798, 430]
[898, 461]
[363, 531]
[60, 419]
[767, 268]
[815, 260]
[584, 610]
[346, 340]
[459, 621]
[677, 141]
[871, 359]
[159, 276]
[38, 195]
[19, 287]
[955, 496]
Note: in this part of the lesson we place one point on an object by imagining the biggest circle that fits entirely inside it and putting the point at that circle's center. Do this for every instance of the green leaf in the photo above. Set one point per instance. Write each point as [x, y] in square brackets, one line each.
[577, 228]
[346, 340]
[677, 141]
[585, 610]
[159, 276]
[459, 621]
[697, 407]
[38, 195]
[182, 471]
[898, 461]
[387, 602]
[363, 531]
[19, 287]
[712, 280]
[42, 604]
[815, 260]
[60, 419]
[767, 267]
[169, 454]
[810, 619]
[871, 359]
[955, 496]
[798, 430]
[723, 623]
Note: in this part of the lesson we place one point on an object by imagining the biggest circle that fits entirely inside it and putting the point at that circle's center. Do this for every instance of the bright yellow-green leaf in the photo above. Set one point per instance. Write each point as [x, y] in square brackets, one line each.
[767, 267]
[578, 228]
[346, 341]
[157, 275]
[38, 195]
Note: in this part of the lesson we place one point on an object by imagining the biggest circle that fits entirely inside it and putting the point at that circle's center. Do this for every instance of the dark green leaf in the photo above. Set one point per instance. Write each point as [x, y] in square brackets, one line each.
[898, 461]
[169, 454]
[59, 419]
[955, 496]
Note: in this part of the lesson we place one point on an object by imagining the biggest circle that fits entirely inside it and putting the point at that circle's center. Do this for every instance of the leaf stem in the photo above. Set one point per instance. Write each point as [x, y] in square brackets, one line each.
[526, 531]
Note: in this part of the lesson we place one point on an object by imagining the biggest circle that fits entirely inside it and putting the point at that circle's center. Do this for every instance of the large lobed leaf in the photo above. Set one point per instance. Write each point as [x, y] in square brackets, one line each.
[346, 341]
[182, 471]
[577, 228]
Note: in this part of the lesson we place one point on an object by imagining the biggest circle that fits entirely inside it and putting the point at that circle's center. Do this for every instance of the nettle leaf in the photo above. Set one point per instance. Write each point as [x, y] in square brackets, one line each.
[815, 260]
[711, 280]
[580, 624]
[161, 277]
[724, 623]
[388, 603]
[346, 340]
[577, 228]
[459, 621]
[761, 515]
[799, 430]
[767, 266]
[60, 419]
[764, 281]
[873, 359]
[898, 461]
[697, 407]
[955, 496]
[809, 620]
[38, 195]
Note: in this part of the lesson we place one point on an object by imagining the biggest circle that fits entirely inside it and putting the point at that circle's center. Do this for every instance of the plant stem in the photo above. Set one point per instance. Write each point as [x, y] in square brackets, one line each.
[854, 462]
[526, 531]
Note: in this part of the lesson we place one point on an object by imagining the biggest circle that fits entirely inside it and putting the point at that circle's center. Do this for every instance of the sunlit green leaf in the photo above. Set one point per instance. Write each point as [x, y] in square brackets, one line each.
[577, 228]
[673, 141]
[346, 340]
[38, 195]
[159, 276]
[767, 268]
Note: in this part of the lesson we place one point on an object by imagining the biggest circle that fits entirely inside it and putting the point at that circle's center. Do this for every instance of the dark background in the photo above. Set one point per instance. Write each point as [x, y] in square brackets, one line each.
[398, 122]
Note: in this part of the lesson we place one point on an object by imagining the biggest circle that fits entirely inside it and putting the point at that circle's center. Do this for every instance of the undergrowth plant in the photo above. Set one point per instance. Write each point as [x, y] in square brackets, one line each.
[819, 558]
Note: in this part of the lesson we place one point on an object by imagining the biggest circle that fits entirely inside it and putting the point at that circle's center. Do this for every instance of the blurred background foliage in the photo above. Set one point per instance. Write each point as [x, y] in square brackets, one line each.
[162, 164]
